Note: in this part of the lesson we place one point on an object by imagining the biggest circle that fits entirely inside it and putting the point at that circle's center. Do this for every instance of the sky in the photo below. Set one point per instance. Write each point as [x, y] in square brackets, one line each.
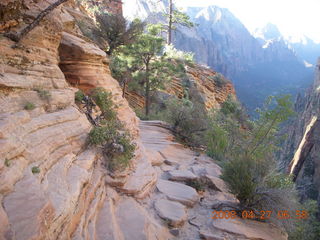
[293, 17]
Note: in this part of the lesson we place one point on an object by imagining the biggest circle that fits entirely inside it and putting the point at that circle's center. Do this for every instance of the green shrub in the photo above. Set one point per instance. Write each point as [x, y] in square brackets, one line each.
[35, 170]
[117, 145]
[122, 159]
[79, 96]
[7, 162]
[101, 135]
[250, 169]
[29, 106]
[104, 101]
[219, 80]
[43, 94]
[217, 142]
[189, 120]
[309, 228]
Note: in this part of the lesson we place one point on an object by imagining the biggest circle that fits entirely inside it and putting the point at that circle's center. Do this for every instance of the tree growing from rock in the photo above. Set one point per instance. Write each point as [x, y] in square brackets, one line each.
[250, 168]
[17, 37]
[114, 29]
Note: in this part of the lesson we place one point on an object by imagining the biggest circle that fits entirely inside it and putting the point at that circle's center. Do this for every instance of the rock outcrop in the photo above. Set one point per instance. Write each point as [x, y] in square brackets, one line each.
[203, 86]
[54, 186]
[300, 152]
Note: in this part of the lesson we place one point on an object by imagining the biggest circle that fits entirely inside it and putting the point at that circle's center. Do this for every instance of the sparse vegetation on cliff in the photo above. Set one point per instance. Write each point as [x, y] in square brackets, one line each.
[110, 134]
[249, 166]
[29, 106]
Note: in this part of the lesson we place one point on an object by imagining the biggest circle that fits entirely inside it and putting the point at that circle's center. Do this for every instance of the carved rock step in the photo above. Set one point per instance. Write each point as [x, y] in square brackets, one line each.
[181, 175]
[173, 212]
[178, 192]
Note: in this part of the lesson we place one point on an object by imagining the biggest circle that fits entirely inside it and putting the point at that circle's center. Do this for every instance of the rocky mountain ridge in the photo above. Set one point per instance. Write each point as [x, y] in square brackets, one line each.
[223, 43]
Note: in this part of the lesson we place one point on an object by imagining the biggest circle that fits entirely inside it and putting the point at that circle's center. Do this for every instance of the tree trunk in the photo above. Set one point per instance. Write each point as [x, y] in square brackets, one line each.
[147, 97]
[170, 11]
[124, 88]
[17, 37]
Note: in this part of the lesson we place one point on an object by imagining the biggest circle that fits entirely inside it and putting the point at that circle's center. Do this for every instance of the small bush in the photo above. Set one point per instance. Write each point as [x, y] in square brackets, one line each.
[117, 145]
[35, 170]
[104, 101]
[172, 52]
[250, 169]
[189, 121]
[121, 159]
[219, 80]
[43, 94]
[29, 106]
[308, 228]
[7, 162]
[79, 96]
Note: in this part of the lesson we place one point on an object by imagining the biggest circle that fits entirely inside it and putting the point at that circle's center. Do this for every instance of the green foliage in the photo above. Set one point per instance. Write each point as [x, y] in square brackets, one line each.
[307, 229]
[7, 162]
[29, 106]
[247, 148]
[226, 133]
[117, 145]
[171, 52]
[189, 120]
[79, 96]
[196, 184]
[35, 170]
[114, 29]
[181, 18]
[217, 141]
[122, 160]
[43, 94]
[219, 80]
[104, 101]
[144, 62]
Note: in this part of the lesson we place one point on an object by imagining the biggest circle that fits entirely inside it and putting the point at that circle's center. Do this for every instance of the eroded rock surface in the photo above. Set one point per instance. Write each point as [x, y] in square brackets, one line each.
[53, 185]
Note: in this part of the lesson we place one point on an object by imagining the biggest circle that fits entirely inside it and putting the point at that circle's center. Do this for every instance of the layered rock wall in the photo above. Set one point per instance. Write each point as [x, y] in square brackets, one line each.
[53, 185]
[300, 152]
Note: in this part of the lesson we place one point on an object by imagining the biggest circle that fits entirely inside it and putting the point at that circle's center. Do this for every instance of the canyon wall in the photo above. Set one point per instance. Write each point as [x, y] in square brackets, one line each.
[53, 185]
[300, 154]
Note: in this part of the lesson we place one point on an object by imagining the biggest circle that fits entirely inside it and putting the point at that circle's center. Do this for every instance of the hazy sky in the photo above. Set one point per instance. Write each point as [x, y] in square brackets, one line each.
[293, 17]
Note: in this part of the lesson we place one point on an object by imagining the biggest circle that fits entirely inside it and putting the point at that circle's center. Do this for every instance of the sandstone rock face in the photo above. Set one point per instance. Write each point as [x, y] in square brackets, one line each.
[205, 86]
[300, 151]
[52, 184]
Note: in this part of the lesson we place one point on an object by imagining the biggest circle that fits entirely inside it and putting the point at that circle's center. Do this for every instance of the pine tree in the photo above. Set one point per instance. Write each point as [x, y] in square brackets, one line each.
[144, 62]
[174, 18]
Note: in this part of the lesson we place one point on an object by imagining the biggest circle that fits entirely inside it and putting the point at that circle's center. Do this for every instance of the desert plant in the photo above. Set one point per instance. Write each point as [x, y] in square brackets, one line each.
[117, 145]
[189, 120]
[7, 162]
[35, 170]
[29, 106]
[251, 171]
[219, 80]
[104, 101]
[43, 94]
[308, 227]
[79, 96]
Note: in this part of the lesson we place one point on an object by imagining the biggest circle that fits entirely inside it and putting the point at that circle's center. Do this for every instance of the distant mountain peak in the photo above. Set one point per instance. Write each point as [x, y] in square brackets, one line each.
[268, 32]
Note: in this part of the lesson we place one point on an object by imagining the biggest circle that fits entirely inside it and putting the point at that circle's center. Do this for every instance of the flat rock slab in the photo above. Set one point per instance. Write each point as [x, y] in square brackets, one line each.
[248, 229]
[174, 212]
[181, 175]
[178, 192]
